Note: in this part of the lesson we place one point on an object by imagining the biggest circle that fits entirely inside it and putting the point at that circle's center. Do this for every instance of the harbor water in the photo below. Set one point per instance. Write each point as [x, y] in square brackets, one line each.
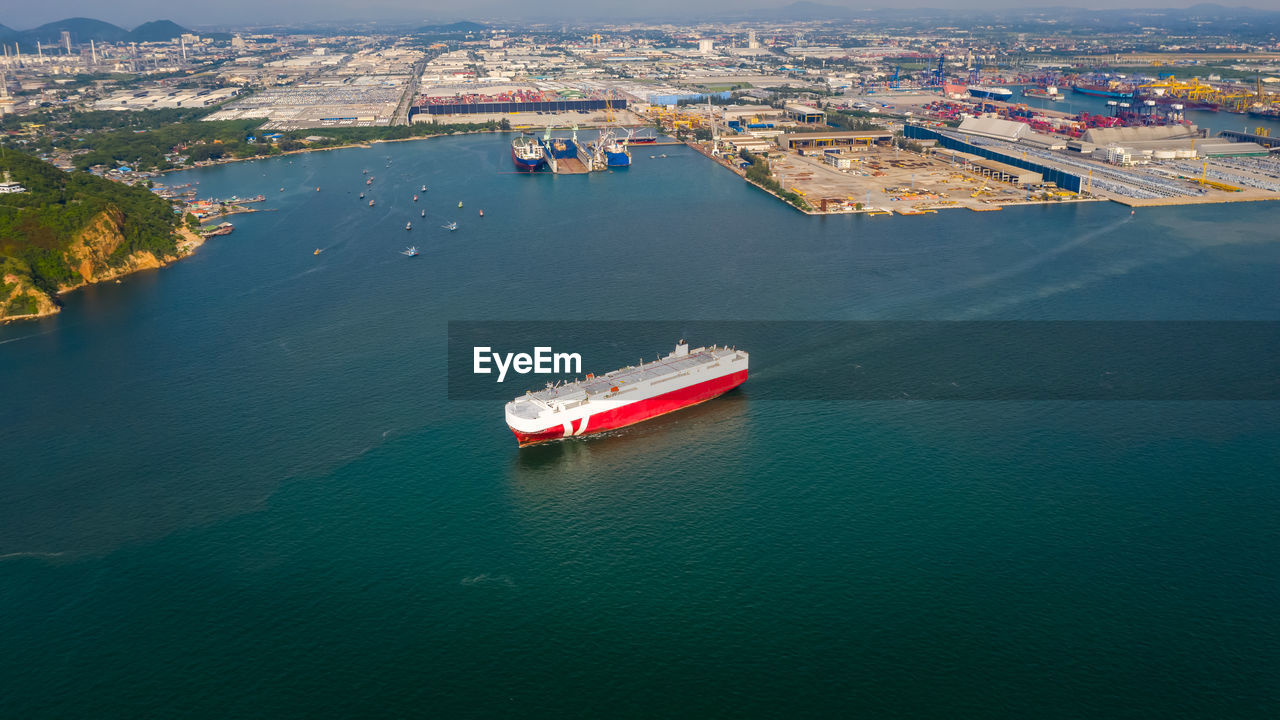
[238, 487]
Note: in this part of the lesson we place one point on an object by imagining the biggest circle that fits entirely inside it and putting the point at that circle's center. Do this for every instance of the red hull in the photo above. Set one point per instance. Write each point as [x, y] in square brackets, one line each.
[638, 411]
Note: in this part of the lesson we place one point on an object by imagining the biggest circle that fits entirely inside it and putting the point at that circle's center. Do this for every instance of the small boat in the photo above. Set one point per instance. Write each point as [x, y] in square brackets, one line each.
[653, 157]
[415, 198]
[281, 189]
[459, 203]
[481, 213]
[424, 189]
[450, 226]
[369, 181]
[365, 171]
[317, 189]
[410, 251]
[370, 203]
[317, 252]
[408, 226]
[361, 196]
[424, 213]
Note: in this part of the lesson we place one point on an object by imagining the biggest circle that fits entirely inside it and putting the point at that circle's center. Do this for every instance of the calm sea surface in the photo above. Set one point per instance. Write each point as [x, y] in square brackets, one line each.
[236, 487]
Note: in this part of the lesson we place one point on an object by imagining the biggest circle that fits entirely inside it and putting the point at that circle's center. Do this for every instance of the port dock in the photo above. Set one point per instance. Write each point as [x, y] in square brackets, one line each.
[571, 156]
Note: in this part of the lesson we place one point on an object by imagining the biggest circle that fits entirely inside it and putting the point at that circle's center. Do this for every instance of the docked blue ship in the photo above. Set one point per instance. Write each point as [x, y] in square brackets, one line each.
[527, 154]
[615, 152]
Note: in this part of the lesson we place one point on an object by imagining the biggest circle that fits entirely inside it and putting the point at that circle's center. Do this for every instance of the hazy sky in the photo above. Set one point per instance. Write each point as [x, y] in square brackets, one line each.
[128, 13]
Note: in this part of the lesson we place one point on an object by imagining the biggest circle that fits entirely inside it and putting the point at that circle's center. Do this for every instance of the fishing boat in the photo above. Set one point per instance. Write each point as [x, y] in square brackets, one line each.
[369, 181]
[408, 226]
[411, 251]
[424, 189]
[459, 203]
[415, 198]
[370, 203]
[450, 226]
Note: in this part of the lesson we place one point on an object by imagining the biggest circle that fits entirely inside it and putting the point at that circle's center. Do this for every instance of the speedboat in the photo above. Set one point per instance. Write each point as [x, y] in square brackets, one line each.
[408, 226]
[410, 251]
[370, 203]
[450, 226]
[415, 198]
[424, 189]
[424, 213]
[317, 252]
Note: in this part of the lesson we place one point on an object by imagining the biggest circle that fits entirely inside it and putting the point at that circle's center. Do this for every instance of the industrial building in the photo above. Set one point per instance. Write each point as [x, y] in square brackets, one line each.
[805, 114]
[993, 169]
[835, 139]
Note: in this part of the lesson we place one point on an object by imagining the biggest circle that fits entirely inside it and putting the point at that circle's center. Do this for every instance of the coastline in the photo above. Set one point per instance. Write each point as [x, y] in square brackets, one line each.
[185, 245]
[344, 146]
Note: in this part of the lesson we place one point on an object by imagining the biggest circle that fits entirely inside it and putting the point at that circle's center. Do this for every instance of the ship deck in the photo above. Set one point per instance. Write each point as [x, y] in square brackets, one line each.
[657, 369]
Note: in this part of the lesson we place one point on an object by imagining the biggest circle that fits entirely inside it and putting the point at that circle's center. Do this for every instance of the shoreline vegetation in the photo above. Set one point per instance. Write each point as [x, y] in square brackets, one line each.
[70, 229]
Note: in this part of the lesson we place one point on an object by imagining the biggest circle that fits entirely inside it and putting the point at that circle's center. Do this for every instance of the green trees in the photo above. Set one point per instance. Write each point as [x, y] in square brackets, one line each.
[760, 174]
[38, 226]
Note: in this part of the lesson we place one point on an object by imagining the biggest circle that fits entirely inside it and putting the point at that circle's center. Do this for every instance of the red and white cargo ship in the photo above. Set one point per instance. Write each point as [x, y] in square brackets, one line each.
[627, 396]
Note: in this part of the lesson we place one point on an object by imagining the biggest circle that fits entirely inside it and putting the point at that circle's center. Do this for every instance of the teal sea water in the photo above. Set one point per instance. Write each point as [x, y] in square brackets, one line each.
[236, 487]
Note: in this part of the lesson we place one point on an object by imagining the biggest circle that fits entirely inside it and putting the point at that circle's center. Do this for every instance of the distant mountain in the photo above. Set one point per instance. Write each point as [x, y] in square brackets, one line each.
[8, 33]
[82, 31]
[803, 10]
[458, 27]
[157, 31]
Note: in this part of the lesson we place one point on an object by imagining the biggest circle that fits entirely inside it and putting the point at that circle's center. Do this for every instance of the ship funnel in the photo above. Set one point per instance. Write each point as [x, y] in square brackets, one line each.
[682, 348]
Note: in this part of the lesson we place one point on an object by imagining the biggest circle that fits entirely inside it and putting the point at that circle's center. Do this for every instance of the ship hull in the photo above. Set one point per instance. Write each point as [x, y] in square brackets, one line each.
[990, 93]
[618, 160]
[523, 165]
[635, 412]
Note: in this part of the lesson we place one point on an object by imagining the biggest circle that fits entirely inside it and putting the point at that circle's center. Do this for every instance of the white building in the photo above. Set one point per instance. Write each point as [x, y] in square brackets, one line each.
[706, 46]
